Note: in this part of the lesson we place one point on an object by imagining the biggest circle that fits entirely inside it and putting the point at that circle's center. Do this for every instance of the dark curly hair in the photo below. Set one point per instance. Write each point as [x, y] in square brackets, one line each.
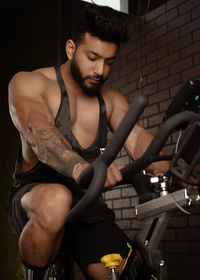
[103, 22]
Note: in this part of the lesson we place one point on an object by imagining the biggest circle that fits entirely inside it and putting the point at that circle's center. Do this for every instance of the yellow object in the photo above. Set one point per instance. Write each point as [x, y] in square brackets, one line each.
[111, 261]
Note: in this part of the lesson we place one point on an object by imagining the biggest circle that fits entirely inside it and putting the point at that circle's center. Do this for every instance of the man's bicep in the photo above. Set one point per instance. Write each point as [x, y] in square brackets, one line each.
[119, 109]
[27, 104]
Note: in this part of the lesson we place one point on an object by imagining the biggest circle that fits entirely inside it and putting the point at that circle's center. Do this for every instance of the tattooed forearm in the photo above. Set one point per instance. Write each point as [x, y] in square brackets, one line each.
[52, 149]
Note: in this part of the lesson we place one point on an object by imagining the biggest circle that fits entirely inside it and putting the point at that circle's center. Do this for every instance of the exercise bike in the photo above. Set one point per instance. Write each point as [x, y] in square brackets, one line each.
[145, 261]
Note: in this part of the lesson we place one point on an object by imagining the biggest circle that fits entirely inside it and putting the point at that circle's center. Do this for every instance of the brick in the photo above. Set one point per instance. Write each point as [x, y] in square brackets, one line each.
[170, 81]
[148, 48]
[194, 272]
[181, 65]
[153, 130]
[146, 28]
[180, 43]
[122, 160]
[169, 234]
[149, 68]
[114, 75]
[191, 73]
[157, 54]
[136, 224]
[188, 234]
[157, 76]
[133, 56]
[155, 13]
[118, 214]
[194, 220]
[178, 221]
[192, 49]
[196, 12]
[170, 259]
[168, 38]
[151, 110]
[160, 96]
[128, 192]
[134, 76]
[130, 234]
[175, 136]
[178, 22]
[172, 4]
[114, 193]
[188, 5]
[156, 33]
[130, 46]
[119, 83]
[128, 213]
[143, 123]
[121, 203]
[190, 27]
[109, 204]
[188, 260]
[119, 62]
[134, 201]
[178, 273]
[177, 247]
[127, 69]
[194, 247]
[174, 90]
[163, 106]
[168, 60]
[168, 16]
[196, 35]
[197, 59]
[168, 149]
[147, 90]
[155, 120]
[129, 88]
[124, 224]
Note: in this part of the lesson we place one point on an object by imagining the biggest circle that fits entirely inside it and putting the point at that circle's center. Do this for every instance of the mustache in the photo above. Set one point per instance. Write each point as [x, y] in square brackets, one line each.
[100, 78]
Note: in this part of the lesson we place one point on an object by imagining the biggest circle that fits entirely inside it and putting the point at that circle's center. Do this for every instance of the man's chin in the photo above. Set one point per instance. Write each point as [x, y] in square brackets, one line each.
[91, 91]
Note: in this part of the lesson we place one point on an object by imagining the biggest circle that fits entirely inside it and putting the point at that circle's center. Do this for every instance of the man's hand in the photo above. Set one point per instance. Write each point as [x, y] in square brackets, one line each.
[159, 167]
[113, 177]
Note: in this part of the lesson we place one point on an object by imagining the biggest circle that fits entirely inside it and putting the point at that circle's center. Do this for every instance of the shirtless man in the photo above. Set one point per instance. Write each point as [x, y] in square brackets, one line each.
[61, 114]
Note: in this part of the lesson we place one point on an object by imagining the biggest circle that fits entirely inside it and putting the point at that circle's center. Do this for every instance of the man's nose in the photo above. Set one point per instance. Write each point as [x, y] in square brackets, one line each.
[99, 69]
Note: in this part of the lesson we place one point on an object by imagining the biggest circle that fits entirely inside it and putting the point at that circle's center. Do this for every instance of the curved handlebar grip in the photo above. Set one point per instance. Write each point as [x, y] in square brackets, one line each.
[157, 143]
[119, 136]
[94, 190]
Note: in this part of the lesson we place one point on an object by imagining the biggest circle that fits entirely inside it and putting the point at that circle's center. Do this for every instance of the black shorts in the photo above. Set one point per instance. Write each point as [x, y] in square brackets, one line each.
[87, 242]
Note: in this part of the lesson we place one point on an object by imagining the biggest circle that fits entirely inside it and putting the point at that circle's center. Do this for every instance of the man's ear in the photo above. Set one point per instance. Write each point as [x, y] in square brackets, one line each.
[70, 48]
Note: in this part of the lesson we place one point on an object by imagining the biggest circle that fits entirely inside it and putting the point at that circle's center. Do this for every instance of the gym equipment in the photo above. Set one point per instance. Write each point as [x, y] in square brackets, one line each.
[145, 261]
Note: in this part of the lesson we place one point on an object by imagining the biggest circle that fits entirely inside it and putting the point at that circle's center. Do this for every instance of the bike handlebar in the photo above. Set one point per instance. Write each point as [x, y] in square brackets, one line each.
[152, 152]
[97, 169]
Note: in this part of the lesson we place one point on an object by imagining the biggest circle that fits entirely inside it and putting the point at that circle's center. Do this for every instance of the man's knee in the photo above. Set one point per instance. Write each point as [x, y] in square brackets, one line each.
[48, 204]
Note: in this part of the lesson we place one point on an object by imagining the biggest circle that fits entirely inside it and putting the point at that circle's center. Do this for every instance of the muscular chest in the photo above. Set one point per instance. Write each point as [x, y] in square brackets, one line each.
[84, 120]
[81, 113]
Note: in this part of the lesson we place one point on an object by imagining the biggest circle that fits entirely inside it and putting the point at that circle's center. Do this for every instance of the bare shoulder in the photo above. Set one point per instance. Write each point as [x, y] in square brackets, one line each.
[115, 101]
[27, 83]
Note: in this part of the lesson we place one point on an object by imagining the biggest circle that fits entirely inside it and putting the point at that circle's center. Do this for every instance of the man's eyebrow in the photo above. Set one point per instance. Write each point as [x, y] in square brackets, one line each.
[96, 54]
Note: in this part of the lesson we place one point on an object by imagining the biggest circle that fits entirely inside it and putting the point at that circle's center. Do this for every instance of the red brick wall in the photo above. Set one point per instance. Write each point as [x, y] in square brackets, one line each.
[164, 50]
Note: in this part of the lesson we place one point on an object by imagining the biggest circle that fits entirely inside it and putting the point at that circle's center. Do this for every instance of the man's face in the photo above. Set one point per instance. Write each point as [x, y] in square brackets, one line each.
[91, 63]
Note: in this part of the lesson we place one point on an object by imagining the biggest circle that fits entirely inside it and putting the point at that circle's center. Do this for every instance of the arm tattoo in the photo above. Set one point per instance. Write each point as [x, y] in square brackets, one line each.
[53, 149]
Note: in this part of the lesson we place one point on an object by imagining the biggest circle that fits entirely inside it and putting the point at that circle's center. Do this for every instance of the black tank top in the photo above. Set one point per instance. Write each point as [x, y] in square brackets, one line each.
[43, 173]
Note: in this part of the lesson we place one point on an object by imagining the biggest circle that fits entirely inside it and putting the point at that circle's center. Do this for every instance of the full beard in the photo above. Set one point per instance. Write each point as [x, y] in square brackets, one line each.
[92, 90]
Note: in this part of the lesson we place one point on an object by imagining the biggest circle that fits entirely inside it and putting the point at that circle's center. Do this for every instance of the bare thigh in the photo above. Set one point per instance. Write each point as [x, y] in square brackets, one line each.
[50, 202]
